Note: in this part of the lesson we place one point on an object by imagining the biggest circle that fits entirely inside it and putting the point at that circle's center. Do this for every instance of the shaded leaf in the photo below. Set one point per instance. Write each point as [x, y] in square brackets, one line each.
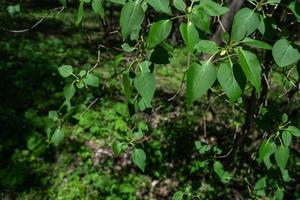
[160, 55]
[127, 86]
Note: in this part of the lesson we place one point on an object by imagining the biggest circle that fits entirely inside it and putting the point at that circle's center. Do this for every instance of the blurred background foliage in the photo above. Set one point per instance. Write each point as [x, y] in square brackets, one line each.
[182, 142]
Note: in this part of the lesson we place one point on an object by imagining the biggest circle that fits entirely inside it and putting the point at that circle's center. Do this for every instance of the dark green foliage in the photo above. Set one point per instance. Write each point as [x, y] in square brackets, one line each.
[133, 99]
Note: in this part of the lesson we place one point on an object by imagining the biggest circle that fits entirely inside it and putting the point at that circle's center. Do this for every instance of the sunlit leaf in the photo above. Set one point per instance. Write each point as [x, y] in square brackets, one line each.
[139, 158]
[199, 79]
[284, 53]
[131, 19]
[245, 22]
[159, 31]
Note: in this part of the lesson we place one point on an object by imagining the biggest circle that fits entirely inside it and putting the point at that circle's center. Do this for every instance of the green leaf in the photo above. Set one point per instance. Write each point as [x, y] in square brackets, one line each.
[284, 118]
[279, 194]
[286, 138]
[117, 147]
[13, 9]
[65, 70]
[245, 22]
[57, 137]
[251, 67]
[91, 80]
[257, 43]
[127, 86]
[265, 151]
[212, 8]
[80, 12]
[178, 196]
[80, 84]
[206, 46]
[273, 2]
[69, 91]
[259, 187]
[179, 5]
[145, 85]
[202, 147]
[285, 175]
[219, 170]
[139, 158]
[282, 156]
[199, 79]
[122, 2]
[98, 8]
[159, 31]
[131, 19]
[126, 47]
[293, 130]
[63, 2]
[261, 27]
[160, 6]
[53, 115]
[284, 53]
[294, 7]
[82, 73]
[228, 82]
[189, 35]
[145, 66]
[138, 135]
[201, 19]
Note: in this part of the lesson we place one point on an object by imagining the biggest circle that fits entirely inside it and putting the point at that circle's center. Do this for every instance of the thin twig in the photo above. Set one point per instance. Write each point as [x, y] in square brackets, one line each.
[180, 88]
[223, 28]
[89, 106]
[267, 82]
[226, 155]
[204, 126]
[36, 24]
[97, 63]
